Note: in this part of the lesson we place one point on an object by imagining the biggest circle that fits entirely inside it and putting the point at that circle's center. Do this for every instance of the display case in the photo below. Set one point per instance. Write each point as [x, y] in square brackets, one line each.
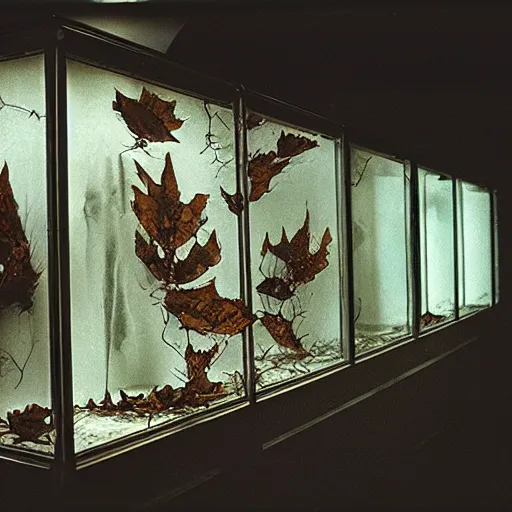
[295, 225]
[174, 248]
[26, 422]
[475, 265]
[437, 248]
[381, 249]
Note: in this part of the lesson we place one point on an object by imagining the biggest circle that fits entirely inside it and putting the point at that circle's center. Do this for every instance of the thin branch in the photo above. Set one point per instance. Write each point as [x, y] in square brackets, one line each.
[22, 109]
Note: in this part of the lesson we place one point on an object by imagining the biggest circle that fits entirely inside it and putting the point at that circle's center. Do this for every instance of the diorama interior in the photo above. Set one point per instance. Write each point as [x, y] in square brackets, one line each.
[207, 252]
[437, 248]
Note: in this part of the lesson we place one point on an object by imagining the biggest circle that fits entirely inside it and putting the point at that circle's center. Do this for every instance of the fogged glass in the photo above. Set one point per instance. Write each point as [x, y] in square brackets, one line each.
[294, 251]
[25, 399]
[475, 262]
[156, 314]
[380, 242]
[436, 248]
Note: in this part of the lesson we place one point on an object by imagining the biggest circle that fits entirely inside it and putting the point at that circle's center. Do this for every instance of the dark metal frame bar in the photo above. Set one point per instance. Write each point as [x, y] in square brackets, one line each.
[495, 245]
[59, 270]
[348, 271]
[245, 242]
[455, 249]
[459, 244]
[414, 237]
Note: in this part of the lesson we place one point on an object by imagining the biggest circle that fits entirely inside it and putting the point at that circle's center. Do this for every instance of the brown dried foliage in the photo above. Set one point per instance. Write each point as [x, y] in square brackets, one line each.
[428, 319]
[203, 310]
[302, 266]
[281, 330]
[30, 425]
[234, 201]
[149, 118]
[18, 279]
[262, 168]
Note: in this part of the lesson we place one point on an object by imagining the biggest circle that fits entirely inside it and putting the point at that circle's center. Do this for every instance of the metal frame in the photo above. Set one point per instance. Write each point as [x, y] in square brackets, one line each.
[496, 251]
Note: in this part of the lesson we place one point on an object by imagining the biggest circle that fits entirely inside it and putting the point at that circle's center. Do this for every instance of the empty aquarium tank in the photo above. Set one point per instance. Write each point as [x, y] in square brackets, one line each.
[437, 248]
[381, 249]
[295, 251]
[26, 421]
[474, 244]
[156, 310]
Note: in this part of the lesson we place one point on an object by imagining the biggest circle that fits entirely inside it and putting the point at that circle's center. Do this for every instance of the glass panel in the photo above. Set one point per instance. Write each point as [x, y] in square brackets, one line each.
[436, 248]
[380, 234]
[475, 263]
[25, 396]
[294, 251]
[496, 251]
[154, 255]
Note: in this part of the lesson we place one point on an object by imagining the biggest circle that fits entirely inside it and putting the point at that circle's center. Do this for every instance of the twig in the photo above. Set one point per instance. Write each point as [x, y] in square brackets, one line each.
[211, 142]
[22, 109]
[362, 172]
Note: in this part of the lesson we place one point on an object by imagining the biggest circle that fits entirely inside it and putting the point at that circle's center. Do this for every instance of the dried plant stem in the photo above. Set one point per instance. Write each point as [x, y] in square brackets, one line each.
[31, 113]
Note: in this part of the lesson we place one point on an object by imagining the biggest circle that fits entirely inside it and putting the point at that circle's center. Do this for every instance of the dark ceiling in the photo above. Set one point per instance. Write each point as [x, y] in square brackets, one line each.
[428, 83]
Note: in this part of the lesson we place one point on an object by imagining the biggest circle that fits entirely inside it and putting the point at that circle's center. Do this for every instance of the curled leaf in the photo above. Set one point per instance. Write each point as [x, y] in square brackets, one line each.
[198, 261]
[254, 120]
[428, 319]
[290, 145]
[18, 279]
[161, 213]
[234, 201]
[30, 424]
[275, 287]
[302, 266]
[282, 331]
[203, 310]
[149, 118]
[262, 168]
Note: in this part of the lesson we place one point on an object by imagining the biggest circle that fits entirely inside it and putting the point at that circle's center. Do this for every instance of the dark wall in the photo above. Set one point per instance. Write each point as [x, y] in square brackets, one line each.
[431, 85]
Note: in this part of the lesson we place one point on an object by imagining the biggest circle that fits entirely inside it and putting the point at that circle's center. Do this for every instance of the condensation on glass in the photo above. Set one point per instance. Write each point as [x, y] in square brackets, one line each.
[26, 419]
[437, 258]
[474, 247]
[154, 257]
[381, 249]
[295, 251]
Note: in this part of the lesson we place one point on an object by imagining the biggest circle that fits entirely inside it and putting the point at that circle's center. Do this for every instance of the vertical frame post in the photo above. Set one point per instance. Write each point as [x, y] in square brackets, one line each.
[491, 227]
[456, 215]
[415, 247]
[347, 258]
[58, 258]
[495, 244]
[244, 239]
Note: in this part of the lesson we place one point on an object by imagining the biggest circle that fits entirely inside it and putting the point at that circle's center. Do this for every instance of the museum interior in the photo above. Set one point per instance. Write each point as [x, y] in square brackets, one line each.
[253, 255]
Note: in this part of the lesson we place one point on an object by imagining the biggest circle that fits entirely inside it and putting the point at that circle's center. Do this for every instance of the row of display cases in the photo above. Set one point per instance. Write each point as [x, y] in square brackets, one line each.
[173, 246]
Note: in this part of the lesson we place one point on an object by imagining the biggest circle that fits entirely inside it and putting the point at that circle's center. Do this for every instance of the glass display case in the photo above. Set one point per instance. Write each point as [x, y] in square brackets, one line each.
[474, 247]
[26, 421]
[437, 248]
[174, 247]
[381, 249]
[156, 314]
[295, 250]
